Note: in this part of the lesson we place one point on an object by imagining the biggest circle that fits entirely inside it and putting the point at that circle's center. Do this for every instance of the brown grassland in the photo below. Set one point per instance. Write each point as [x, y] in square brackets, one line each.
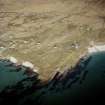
[45, 32]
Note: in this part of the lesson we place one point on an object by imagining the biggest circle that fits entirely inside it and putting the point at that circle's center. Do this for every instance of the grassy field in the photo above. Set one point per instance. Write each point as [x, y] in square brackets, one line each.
[45, 32]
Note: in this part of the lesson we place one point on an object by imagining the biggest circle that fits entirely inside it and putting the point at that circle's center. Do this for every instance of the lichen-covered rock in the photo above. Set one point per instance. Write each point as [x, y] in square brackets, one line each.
[82, 84]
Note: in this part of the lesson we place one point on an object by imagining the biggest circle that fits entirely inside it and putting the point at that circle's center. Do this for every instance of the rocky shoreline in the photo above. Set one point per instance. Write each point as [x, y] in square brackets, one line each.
[21, 86]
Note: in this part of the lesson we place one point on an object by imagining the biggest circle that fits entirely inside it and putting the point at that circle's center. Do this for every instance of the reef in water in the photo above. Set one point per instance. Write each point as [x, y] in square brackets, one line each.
[82, 84]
